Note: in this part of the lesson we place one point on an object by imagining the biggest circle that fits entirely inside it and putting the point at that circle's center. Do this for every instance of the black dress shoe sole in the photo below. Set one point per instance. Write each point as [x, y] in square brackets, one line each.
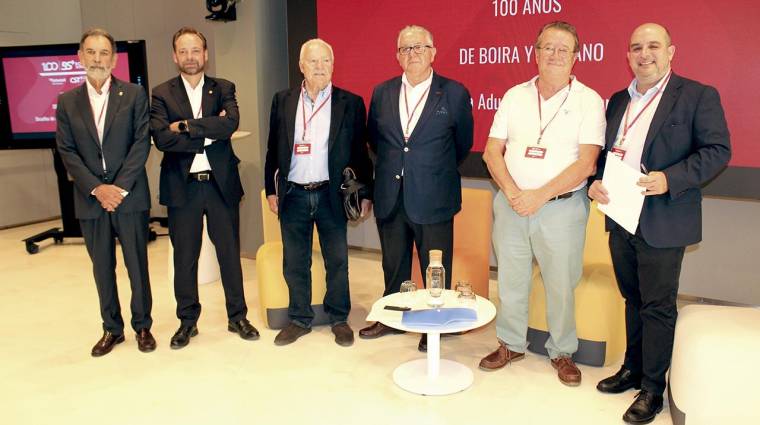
[176, 346]
[642, 421]
[252, 337]
[118, 340]
[618, 389]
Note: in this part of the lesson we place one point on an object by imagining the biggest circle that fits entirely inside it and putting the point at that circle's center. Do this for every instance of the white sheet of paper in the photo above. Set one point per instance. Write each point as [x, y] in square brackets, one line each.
[626, 197]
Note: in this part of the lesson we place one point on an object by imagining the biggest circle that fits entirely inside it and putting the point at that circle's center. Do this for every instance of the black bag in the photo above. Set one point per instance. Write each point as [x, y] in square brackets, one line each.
[352, 191]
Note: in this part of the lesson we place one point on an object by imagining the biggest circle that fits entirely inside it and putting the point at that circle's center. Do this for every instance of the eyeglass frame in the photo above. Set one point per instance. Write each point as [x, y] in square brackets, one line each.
[407, 50]
[562, 52]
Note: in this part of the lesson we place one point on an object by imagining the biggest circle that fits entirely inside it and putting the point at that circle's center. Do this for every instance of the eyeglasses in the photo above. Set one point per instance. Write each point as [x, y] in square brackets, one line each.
[418, 49]
[562, 51]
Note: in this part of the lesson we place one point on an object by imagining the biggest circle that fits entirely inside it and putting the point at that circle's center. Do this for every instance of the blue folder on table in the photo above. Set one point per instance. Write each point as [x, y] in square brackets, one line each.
[439, 316]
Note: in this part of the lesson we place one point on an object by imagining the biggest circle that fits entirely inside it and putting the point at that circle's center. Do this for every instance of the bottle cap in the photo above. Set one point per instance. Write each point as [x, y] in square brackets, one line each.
[436, 256]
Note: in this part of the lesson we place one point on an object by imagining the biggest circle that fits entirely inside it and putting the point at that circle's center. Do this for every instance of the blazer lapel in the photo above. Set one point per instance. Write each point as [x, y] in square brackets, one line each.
[338, 106]
[208, 98]
[616, 116]
[180, 95]
[669, 97]
[392, 99]
[83, 105]
[291, 107]
[434, 96]
[115, 93]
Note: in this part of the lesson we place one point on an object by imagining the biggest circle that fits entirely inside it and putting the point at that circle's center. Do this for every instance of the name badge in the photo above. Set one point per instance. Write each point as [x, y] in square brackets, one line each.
[535, 152]
[620, 153]
[303, 148]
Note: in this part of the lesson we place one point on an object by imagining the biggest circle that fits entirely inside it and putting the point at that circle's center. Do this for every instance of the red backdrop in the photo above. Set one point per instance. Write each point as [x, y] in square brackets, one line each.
[712, 42]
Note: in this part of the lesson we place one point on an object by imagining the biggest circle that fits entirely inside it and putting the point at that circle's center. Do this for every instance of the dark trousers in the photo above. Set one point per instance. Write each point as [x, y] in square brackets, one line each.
[648, 280]
[186, 230]
[397, 233]
[300, 210]
[99, 237]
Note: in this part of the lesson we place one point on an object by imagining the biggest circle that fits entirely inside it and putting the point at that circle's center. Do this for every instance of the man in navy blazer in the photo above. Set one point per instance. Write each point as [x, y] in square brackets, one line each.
[315, 132]
[192, 119]
[420, 127]
[674, 130]
[102, 137]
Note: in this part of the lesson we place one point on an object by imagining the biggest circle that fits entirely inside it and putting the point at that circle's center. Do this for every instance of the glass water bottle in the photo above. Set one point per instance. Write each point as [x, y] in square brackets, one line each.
[436, 278]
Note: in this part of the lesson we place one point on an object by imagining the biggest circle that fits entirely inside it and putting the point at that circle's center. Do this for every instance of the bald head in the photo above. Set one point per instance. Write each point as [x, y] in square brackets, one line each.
[649, 55]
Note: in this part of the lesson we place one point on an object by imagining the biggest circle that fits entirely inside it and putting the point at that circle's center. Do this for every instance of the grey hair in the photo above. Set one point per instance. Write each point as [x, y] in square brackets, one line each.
[312, 42]
[413, 29]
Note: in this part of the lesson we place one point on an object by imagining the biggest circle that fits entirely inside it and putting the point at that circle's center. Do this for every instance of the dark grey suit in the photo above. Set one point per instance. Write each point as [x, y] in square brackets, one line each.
[125, 148]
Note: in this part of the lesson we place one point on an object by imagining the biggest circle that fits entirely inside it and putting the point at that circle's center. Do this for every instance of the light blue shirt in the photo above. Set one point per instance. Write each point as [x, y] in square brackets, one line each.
[311, 167]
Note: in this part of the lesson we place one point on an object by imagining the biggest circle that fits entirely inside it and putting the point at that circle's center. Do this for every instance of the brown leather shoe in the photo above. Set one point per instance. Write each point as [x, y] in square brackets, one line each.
[344, 335]
[499, 358]
[106, 344]
[290, 334]
[567, 371]
[377, 330]
[145, 341]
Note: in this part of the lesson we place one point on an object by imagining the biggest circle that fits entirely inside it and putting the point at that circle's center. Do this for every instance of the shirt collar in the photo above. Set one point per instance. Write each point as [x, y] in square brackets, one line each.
[321, 95]
[634, 94]
[190, 88]
[424, 83]
[576, 85]
[103, 90]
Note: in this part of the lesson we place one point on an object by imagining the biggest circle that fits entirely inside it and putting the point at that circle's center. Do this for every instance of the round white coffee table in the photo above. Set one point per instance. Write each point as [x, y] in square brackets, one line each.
[431, 375]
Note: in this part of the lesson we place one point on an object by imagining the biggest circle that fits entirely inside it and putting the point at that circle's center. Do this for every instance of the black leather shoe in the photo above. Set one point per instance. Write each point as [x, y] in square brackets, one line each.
[106, 343]
[422, 346]
[182, 337]
[290, 334]
[145, 341]
[623, 380]
[244, 328]
[644, 409]
[344, 335]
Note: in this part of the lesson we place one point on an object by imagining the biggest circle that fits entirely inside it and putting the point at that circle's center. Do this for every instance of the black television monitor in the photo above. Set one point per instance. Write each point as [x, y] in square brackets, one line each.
[32, 77]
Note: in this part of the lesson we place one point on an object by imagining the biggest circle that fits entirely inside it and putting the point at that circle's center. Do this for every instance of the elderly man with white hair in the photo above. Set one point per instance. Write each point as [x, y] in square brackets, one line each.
[315, 132]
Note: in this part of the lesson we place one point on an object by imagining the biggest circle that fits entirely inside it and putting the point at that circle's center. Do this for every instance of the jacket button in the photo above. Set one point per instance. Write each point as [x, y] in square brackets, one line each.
[398, 177]
[406, 149]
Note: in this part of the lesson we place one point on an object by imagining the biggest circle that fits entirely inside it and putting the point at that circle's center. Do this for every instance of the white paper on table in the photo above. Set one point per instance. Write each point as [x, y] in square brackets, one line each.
[626, 197]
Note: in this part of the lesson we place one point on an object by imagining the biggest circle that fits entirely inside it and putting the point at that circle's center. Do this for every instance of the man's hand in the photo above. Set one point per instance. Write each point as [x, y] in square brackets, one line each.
[366, 207]
[527, 202]
[598, 193]
[655, 183]
[109, 196]
[272, 201]
[223, 113]
[174, 127]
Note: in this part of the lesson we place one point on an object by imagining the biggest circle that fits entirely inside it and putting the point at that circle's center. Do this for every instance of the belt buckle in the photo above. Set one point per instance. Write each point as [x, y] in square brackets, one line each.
[203, 177]
[310, 186]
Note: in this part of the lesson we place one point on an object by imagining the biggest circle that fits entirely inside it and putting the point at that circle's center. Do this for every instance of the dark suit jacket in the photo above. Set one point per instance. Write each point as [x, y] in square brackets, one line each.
[346, 143]
[169, 104]
[688, 140]
[440, 141]
[126, 144]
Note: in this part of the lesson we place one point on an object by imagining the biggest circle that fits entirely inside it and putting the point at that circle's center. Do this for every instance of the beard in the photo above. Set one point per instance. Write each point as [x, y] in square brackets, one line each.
[191, 67]
[98, 73]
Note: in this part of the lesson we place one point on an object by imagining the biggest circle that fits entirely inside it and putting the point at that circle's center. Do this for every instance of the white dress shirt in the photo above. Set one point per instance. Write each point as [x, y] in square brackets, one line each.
[99, 104]
[312, 167]
[195, 95]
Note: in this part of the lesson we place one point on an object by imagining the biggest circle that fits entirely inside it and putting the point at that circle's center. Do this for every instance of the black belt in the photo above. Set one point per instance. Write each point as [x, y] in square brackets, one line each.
[201, 176]
[563, 196]
[310, 186]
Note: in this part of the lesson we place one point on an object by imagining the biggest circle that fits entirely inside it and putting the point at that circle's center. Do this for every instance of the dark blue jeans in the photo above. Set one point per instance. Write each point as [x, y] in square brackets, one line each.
[300, 210]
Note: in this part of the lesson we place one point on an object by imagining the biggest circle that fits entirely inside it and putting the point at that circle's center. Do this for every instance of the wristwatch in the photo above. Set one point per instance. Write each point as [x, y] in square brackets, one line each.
[182, 126]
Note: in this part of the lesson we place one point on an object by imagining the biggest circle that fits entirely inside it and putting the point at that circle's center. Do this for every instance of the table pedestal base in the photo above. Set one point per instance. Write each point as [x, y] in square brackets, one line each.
[452, 378]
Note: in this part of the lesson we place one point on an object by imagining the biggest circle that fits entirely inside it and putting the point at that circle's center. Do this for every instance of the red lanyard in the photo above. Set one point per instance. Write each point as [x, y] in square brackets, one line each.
[408, 115]
[627, 126]
[303, 108]
[540, 118]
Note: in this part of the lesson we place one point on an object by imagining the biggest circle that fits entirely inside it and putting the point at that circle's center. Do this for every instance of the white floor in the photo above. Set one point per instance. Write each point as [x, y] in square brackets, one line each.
[49, 320]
